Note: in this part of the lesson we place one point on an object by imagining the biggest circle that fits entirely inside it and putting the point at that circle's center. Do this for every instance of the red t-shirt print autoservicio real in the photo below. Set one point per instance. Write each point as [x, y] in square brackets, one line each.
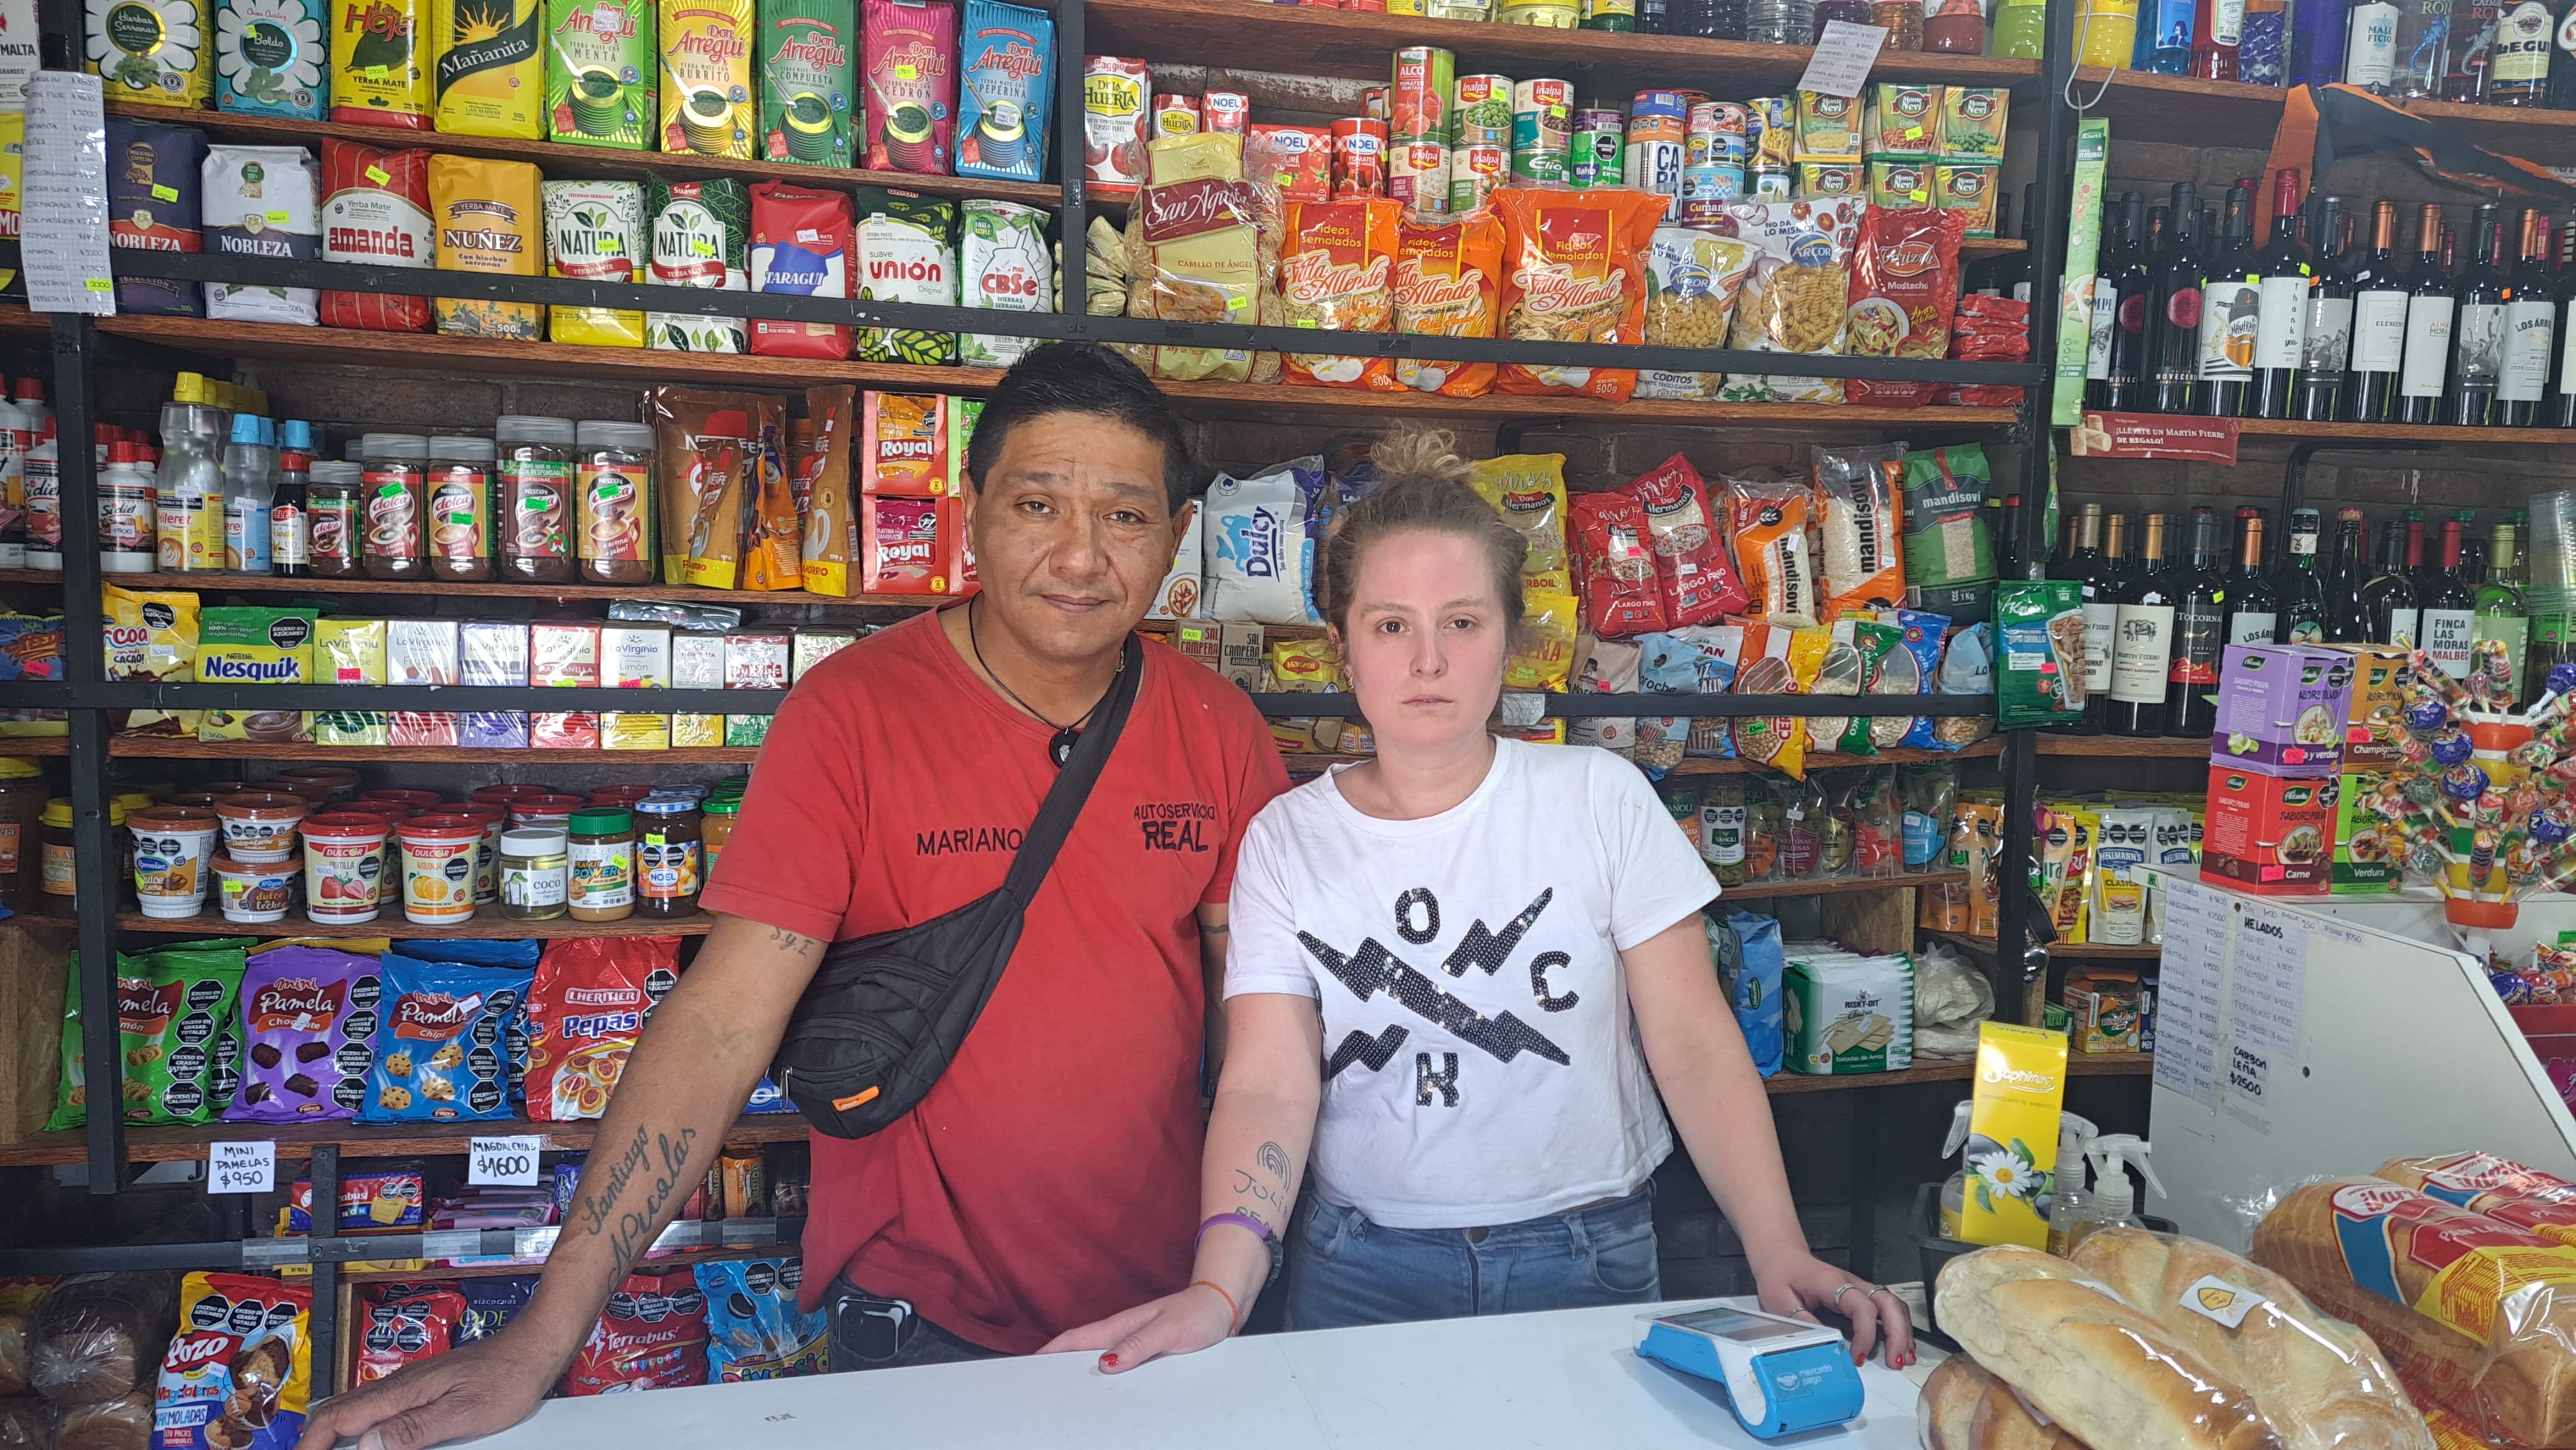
[1051, 1177]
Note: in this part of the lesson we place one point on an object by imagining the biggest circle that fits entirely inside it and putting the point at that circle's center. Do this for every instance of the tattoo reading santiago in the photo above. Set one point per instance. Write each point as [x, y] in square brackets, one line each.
[634, 1227]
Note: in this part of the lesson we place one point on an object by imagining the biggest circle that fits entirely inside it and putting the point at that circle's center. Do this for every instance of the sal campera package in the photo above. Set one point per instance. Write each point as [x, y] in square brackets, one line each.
[1258, 556]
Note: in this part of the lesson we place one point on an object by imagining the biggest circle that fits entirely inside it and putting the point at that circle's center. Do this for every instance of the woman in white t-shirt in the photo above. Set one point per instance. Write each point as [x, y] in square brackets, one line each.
[1451, 970]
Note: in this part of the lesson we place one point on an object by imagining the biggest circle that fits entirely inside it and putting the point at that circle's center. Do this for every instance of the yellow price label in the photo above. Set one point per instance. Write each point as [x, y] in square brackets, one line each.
[377, 176]
[1913, 133]
[906, 71]
[98, 284]
[375, 72]
[701, 247]
[164, 193]
[278, 218]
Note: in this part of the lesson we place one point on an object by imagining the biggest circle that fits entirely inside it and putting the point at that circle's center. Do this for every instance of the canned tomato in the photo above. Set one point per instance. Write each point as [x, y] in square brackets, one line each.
[1225, 111]
[1418, 101]
[1600, 151]
[1482, 112]
[1417, 174]
[1705, 192]
[1474, 172]
[1176, 115]
[1359, 158]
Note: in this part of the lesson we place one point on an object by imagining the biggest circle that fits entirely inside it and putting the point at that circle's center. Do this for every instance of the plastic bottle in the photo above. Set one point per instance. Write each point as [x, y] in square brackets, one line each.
[250, 473]
[2020, 29]
[44, 501]
[124, 514]
[2115, 1199]
[290, 521]
[2074, 1132]
[2068, 1199]
[190, 479]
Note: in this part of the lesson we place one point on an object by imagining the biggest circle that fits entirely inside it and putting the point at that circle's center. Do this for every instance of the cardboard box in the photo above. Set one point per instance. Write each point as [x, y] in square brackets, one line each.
[1241, 660]
[697, 661]
[2368, 851]
[758, 659]
[492, 652]
[2374, 719]
[627, 730]
[697, 732]
[1202, 644]
[563, 656]
[635, 656]
[2281, 709]
[813, 646]
[349, 651]
[742, 730]
[420, 651]
[2102, 1006]
[2269, 833]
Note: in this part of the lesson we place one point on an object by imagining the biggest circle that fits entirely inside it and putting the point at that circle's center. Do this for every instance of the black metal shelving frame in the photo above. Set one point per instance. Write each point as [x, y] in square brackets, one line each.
[77, 356]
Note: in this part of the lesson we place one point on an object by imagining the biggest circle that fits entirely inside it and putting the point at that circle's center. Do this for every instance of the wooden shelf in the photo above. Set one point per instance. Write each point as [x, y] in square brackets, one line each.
[164, 747]
[1837, 885]
[1981, 750]
[2143, 106]
[420, 589]
[2400, 432]
[1309, 40]
[2548, 137]
[295, 1141]
[487, 925]
[16, 320]
[2129, 746]
[2078, 1064]
[569, 162]
[2096, 951]
[35, 745]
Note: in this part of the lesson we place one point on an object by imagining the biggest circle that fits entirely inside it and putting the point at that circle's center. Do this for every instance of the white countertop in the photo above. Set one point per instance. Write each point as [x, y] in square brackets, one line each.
[1558, 1379]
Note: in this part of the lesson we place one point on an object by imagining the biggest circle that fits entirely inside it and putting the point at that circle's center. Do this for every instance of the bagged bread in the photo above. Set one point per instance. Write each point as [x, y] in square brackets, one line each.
[124, 1423]
[1963, 1407]
[26, 1423]
[2321, 1382]
[2479, 1317]
[97, 1337]
[2104, 1372]
[2528, 1199]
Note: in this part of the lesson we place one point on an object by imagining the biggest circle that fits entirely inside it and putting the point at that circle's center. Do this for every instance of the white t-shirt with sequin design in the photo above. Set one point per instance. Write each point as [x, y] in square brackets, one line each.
[1481, 1063]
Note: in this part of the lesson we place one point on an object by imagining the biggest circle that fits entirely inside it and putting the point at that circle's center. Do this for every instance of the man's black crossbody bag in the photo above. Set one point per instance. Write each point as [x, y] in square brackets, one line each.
[885, 1014]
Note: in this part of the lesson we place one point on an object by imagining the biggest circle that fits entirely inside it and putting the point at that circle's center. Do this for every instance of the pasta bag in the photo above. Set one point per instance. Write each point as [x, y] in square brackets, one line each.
[1904, 293]
[1528, 490]
[1575, 271]
[1691, 568]
[1619, 593]
[1337, 274]
[1448, 283]
[1692, 279]
[1196, 250]
[1546, 660]
[1771, 548]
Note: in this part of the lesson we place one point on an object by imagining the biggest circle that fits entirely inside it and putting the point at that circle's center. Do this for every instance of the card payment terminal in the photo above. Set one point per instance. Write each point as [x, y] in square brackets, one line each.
[1782, 1376]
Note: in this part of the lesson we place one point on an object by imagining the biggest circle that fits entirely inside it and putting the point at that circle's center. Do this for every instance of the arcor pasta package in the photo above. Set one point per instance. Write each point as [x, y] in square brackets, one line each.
[375, 212]
[1448, 283]
[1574, 271]
[1794, 298]
[1337, 274]
[1904, 292]
[1692, 278]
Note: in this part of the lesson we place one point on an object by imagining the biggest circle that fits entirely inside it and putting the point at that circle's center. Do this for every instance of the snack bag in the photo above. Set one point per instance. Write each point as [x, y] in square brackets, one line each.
[903, 443]
[1258, 555]
[1691, 568]
[652, 1335]
[1336, 274]
[1839, 670]
[1860, 526]
[905, 254]
[754, 1329]
[442, 1042]
[239, 1372]
[375, 211]
[176, 1028]
[1448, 281]
[490, 218]
[298, 1004]
[1006, 91]
[700, 238]
[1692, 279]
[1003, 264]
[380, 64]
[150, 635]
[595, 231]
[802, 242]
[589, 1003]
[1797, 294]
[1771, 548]
[1528, 490]
[1545, 660]
[1618, 561]
[911, 89]
[1904, 288]
[908, 545]
[772, 533]
[1575, 273]
[707, 82]
[406, 1324]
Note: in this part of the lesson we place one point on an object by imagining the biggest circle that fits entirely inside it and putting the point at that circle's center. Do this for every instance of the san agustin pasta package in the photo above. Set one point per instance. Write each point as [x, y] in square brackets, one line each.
[585, 1011]
[1860, 526]
[375, 212]
[1904, 290]
[1337, 274]
[1448, 283]
[1692, 279]
[1528, 490]
[1574, 271]
[1200, 254]
[1795, 298]
[1697, 580]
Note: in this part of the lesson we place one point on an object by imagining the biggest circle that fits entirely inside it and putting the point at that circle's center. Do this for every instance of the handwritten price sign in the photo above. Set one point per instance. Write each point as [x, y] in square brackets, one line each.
[241, 1167]
[511, 1161]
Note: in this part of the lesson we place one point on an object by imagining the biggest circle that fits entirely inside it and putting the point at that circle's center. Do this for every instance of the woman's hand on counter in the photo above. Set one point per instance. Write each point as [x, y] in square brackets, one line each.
[1181, 1323]
[472, 1390]
[1808, 1283]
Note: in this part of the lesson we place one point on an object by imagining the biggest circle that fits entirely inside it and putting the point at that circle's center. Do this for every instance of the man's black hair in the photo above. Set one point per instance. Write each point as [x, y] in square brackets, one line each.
[1092, 380]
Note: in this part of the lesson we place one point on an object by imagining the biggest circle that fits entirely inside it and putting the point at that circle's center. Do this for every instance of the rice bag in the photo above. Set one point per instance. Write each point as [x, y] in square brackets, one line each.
[1258, 557]
[375, 211]
[1860, 526]
[1448, 281]
[1692, 571]
[595, 231]
[1528, 490]
[1692, 278]
[1337, 274]
[1796, 296]
[1904, 289]
[1949, 555]
[1967, 668]
[1003, 264]
[1772, 548]
[1618, 566]
[1574, 272]
[754, 1329]
[801, 243]
[906, 254]
[155, 179]
[1551, 625]
[701, 232]
[442, 1042]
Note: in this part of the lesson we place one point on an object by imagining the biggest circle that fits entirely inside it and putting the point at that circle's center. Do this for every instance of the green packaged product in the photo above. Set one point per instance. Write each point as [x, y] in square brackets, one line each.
[699, 233]
[1949, 556]
[2039, 674]
[807, 80]
[906, 253]
[602, 72]
[1003, 263]
[176, 1029]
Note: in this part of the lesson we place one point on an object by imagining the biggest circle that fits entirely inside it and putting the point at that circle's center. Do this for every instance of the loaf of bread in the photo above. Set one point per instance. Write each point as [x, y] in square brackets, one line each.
[2104, 1372]
[26, 1423]
[2528, 1199]
[2365, 1249]
[2318, 1380]
[98, 1336]
[121, 1424]
[1964, 1408]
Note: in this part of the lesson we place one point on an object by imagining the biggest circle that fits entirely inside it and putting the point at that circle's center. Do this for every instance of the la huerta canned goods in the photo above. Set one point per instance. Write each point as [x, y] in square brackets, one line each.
[808, 79]
[906, 254]
[601, 74]
[1600, 153]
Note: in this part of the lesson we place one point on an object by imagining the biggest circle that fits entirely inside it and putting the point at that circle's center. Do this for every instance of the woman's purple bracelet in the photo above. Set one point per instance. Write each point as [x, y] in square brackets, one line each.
[1259, 1229]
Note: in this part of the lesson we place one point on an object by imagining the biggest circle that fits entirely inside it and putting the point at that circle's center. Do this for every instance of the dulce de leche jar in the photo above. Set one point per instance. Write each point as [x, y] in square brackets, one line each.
[602, 848]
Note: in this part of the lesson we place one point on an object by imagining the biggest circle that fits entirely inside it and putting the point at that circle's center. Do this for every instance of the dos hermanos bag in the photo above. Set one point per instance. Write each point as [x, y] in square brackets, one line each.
[885, 1014]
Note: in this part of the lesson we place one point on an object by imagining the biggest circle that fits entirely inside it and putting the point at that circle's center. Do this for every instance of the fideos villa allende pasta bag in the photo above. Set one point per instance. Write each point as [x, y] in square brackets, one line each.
[1574, 271]
[1448, 283]
[1337, 274]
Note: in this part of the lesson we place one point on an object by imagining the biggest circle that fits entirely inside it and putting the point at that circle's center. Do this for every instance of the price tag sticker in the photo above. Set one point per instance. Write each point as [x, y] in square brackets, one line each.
[164, 193]
[511, 1160]
[241, 1167]
[1844, 54]
[98, 284]
[279, 218]
[378, 176]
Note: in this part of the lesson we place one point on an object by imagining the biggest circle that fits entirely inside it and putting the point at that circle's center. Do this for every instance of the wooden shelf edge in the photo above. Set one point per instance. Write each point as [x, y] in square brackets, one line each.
[2122, 746]
[1834, 886]
[163, 747]
[295, 1141]
[486, 925]
[2092, 951]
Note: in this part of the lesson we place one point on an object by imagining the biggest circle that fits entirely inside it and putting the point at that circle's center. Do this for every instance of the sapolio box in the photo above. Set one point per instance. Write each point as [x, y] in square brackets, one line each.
[2269, 833]
[2281, 709]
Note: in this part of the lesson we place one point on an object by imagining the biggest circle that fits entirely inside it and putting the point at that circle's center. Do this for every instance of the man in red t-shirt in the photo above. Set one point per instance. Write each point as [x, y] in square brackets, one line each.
[1050, 1178]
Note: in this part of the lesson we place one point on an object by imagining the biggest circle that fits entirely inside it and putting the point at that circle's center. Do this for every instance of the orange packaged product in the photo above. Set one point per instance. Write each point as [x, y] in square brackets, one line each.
[908, 545]
[1769, 667]
[1904, 294]
[903, 445]
[1575, 271]
[1448, 283]
[1772, 554]
[1337, 274]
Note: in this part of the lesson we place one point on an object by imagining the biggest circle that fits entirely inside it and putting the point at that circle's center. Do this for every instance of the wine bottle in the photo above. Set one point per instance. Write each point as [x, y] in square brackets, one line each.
[2085, 565]
[2526, 32]
[2370, 45]
[2379, 303]
[2562, 61]
[2430, 304]
[2288, 270]
[2347, 611]
[2421, 564]
[2116, 566]
[2231, 306]
[2561, 411]
[2530, 329]
[2477, 353]
[2132, 377]
[2122, 255]
[2200, 631]
[2217, 28]
[2325, 346]
[2472, 43]
[2388, 598]
[2142, 652]
[2253, 605]
[2173, 318]
[2503, 618]
[2301, 591]
[2447, 611]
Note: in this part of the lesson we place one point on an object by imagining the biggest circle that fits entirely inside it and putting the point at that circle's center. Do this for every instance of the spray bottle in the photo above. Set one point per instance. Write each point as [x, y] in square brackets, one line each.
[2115, 1199]
[2068, 1201]
[2074, 1131]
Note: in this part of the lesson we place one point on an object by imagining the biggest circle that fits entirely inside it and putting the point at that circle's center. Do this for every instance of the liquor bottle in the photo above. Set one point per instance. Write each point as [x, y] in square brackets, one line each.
[2264, 52]
[2429, 308]
[2473, 555]
[2115, 363]
[2379, 302]
[2301, 591]
[2370, 45]
[2530, 329]
[2288, 270]
[2526, 32]
[2447, 610]
[2325, 345]
[2253, 604]
[2142, 651]
[2477, 350]
[2347, 611]
[2217, 28]
[2502, 616]
[2388, 598]
[2423, 49]
[2319, 31]
[2472, 44]
[2165, 44]
[2231, 305]
[2084, 563]
[2173, 314]
[2199, 632]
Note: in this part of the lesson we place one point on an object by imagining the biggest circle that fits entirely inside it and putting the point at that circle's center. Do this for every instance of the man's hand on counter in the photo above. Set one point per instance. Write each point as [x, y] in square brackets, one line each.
[472, 1390]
